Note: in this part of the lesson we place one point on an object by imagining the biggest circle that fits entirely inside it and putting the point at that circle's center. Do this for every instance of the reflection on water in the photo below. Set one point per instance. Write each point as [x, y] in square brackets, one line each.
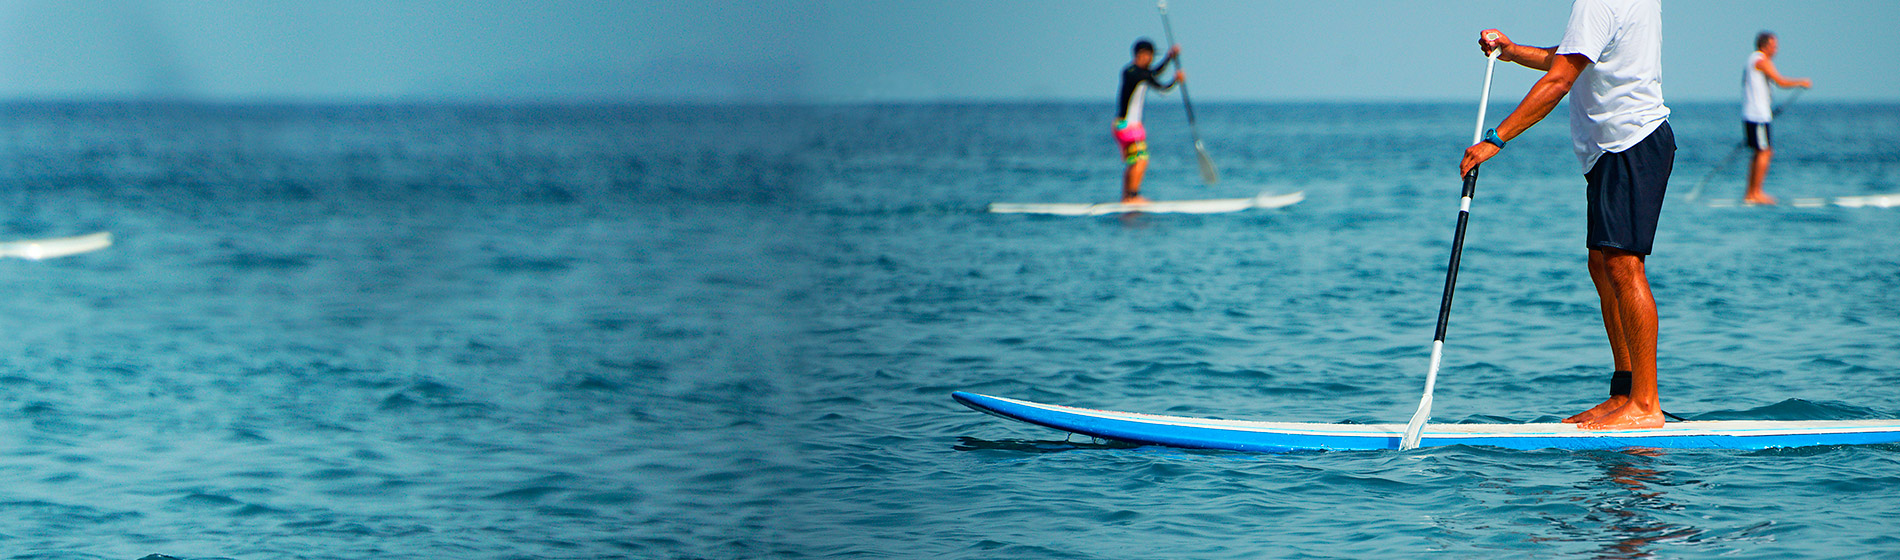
[1600, 504]
[1073, 442]
[1627, 508]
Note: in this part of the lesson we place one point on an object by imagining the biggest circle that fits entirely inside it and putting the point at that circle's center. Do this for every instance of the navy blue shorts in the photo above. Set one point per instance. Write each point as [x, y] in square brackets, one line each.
[1626, 193]
[1757, 134]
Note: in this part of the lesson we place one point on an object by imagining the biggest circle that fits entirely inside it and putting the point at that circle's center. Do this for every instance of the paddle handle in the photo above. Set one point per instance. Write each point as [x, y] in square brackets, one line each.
[1168, 28]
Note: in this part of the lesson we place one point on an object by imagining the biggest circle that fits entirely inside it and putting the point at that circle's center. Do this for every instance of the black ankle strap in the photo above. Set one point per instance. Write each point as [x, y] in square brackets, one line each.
[1620, 384]
[1620, 387]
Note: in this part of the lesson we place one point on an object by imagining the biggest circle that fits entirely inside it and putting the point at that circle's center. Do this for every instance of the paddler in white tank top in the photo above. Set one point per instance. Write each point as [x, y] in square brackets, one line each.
[1758, 110]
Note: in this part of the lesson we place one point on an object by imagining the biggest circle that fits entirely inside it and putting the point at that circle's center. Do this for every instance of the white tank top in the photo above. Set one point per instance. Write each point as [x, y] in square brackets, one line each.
[1758, 101]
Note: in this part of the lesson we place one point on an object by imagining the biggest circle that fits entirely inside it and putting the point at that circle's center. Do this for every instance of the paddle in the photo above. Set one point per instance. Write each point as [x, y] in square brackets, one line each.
[1417, 425]
[1208, 174]
[1737, 150]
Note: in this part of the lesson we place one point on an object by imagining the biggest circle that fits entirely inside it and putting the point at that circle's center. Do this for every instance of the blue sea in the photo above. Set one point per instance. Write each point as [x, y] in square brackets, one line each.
[731, 331]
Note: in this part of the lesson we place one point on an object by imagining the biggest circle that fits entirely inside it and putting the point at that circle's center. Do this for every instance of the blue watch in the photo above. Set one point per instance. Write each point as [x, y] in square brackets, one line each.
[1492, 137]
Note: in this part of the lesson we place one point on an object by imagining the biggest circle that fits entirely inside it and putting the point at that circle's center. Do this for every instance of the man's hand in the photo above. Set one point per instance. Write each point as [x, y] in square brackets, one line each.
[1476, 154]
[1179, 76]
[1805, 84]
[1494, 40]
[1174, 50]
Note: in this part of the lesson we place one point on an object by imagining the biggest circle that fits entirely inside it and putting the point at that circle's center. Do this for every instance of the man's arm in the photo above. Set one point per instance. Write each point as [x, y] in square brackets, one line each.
[1173, 52]
[1536, 105]
[1767, 67]
[1535, 58]
[1179, 77]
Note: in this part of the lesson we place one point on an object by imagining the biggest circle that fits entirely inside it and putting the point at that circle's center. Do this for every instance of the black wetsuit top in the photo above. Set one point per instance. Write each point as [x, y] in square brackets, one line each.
[1134, 75]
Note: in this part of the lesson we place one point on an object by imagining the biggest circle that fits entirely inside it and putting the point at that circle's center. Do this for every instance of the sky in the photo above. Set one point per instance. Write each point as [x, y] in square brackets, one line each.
[852, 51]
[327, 50]
[1317, 50]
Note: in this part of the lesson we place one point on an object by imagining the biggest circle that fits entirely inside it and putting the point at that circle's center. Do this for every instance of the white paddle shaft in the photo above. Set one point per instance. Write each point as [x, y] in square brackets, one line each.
[1484, 100]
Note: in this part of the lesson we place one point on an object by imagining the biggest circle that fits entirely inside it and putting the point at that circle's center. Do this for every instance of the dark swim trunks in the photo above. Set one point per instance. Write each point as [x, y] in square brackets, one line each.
[1757, 134]
[1626, 193]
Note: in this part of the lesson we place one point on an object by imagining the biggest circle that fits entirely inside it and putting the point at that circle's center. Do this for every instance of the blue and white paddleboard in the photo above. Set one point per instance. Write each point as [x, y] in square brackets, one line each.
[1241, 435]
[1214, 206]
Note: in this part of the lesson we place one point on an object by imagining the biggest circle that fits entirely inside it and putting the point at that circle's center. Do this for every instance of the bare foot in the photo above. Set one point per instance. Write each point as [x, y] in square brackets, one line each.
[1763, 200]
[1630, 416]
[1614, 403]
[1135, 199]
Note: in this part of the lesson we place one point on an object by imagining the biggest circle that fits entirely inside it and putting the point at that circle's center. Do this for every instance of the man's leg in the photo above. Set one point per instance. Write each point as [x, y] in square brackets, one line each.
[1131, 181]
[1758, 172]
[1134, 142]
[1636, 313]
[1136, 155]
[1613, 326]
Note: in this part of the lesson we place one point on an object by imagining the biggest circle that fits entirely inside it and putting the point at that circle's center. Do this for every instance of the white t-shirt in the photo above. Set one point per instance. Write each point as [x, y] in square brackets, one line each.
[1758, 101]
[1618, 100]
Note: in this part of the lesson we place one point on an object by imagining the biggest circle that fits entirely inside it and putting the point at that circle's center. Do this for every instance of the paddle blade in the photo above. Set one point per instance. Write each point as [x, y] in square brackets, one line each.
[1208, 174]
[1416, 428]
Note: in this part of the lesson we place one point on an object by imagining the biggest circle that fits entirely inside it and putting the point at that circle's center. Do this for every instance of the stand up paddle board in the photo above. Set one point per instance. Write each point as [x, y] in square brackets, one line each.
[1868, 201]
[1214, 206]
[1865, 201]
[37, 249]
[1242, 435]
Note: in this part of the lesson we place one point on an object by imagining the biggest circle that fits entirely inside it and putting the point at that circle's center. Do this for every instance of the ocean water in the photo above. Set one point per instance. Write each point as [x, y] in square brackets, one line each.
[420, 331]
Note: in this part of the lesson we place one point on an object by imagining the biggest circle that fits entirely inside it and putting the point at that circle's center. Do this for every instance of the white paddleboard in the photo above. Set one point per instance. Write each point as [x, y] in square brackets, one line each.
[1865, 201]
[37, 249]
[1213, 206]
[1868, 201]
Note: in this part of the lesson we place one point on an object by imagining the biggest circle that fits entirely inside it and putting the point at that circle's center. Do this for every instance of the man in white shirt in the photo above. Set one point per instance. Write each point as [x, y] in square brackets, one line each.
[1758, 110]
[1611, 54]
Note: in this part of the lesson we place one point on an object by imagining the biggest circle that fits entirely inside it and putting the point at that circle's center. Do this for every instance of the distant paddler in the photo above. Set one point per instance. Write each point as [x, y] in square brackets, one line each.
[1758, 111]
[1611, 53]
[1137, 78]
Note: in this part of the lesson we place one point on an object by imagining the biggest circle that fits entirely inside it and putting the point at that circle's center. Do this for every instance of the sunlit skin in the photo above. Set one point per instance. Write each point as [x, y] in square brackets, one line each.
[1613, 326]
[1758, 169]
[1131, 177]
[1629, 319]
[1629, 310]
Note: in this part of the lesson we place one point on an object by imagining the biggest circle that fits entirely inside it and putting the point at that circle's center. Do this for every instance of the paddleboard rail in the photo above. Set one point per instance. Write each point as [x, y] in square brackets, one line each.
[1258, 436]
[1211, 206]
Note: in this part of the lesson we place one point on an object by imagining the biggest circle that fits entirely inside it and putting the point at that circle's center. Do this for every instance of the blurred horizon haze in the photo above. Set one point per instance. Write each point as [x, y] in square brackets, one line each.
[856, 51]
